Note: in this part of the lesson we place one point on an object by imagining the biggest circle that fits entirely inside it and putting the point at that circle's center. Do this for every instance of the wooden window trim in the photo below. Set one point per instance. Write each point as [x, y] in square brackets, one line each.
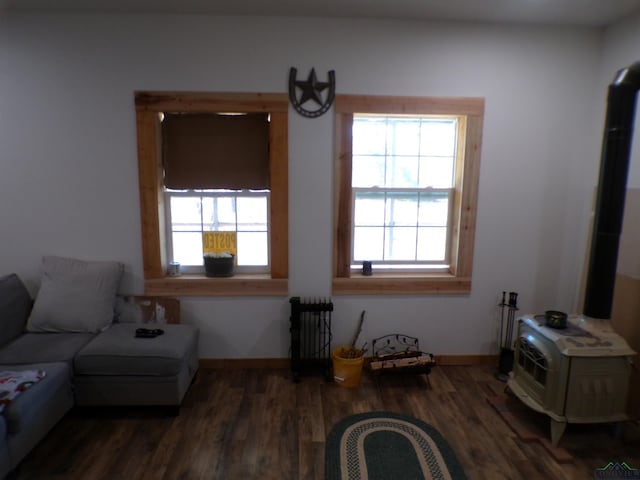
[148, 107]
[458, 279]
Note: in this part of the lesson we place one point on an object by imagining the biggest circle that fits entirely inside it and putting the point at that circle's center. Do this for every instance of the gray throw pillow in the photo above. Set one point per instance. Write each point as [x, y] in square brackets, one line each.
[75, 295]
[15, 305]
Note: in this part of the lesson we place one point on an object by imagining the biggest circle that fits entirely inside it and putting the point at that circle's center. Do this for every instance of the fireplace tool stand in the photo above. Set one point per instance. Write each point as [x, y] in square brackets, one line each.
[505, 361]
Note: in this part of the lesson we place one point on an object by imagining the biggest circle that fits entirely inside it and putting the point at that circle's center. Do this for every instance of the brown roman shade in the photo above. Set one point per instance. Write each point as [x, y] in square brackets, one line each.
[215, 151]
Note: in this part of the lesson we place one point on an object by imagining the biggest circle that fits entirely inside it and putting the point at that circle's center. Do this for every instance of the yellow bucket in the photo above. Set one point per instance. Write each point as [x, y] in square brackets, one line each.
[347, 372]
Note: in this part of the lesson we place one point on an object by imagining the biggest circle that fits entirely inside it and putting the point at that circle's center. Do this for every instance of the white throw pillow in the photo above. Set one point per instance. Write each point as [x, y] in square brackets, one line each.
[75, 295]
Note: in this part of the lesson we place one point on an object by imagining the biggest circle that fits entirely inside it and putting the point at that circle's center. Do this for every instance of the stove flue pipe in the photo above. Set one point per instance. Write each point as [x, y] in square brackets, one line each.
[614, 169]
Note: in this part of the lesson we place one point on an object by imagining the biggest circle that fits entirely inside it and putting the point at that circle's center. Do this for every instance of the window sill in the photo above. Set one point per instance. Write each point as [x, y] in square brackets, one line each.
[401, 284]
[201, 286]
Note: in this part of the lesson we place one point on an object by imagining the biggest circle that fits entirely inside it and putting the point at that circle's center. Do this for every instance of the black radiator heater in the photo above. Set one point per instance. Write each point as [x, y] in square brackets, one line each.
[310, 328]
[614, 169]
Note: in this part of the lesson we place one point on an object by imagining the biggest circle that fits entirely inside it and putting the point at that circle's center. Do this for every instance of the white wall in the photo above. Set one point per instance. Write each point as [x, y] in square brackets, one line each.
[68, 168]
[621, 47]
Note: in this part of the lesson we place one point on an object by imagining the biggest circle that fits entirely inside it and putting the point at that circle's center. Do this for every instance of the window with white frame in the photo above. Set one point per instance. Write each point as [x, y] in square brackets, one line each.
[244, 213]
[216, 180]
[402, 189]
[406, 171]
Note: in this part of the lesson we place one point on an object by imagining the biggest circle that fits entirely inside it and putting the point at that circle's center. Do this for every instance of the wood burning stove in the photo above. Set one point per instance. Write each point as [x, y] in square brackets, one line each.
[580, 374]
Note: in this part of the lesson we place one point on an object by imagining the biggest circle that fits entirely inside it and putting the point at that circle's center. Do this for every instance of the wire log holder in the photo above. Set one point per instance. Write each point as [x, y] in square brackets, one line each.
[397, 353]
[310, 328]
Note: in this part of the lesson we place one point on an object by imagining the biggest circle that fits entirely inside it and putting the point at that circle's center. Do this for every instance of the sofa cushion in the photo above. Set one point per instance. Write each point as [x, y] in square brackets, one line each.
[15, 305]
[75, 295]
[14, 383]
[5, 461]
[117, 351]
[43, 347]
[36, 401]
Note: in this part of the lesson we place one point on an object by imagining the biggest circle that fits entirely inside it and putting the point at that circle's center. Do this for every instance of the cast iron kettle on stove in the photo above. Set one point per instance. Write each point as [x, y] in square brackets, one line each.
[555, 319]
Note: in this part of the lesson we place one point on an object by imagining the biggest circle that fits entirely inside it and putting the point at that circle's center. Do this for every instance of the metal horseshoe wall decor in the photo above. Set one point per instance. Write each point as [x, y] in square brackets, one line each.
[301, 91]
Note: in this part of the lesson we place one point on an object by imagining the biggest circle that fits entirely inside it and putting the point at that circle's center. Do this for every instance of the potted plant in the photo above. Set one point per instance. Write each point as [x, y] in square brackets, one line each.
[219, 264]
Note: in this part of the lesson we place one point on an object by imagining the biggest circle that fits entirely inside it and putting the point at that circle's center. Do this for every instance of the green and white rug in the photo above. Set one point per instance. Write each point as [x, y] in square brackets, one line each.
[388, 446]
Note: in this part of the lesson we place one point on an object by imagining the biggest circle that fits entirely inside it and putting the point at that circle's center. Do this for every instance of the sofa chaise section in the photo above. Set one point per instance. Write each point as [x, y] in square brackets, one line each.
[118, 368]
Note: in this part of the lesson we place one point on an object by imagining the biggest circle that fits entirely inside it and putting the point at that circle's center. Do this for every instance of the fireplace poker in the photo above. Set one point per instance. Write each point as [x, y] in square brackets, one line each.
[509, 321]
[502, 305]
[505, 361]
[513, 307]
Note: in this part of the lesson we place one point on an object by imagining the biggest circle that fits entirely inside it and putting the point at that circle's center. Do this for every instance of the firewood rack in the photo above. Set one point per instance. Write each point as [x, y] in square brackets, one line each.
[398, 353]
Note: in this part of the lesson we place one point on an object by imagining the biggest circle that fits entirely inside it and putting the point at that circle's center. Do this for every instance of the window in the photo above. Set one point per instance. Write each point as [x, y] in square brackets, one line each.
[407, 176]
[402, 182]
[182, 199]
[216, 181]
[242, 213]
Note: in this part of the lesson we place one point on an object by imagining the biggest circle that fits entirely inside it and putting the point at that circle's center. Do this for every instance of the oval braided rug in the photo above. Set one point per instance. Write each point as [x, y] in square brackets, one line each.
[388, 446]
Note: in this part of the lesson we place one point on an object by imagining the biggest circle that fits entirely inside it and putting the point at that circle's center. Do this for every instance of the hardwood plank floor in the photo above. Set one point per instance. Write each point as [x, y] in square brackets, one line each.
[257, 424]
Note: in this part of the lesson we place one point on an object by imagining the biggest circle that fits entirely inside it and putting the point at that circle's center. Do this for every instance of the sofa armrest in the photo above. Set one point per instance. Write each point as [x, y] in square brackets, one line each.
[147, 309]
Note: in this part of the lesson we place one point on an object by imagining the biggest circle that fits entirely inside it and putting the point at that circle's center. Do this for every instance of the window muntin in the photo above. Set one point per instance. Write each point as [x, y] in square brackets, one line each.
[403, 174]
[191, 213]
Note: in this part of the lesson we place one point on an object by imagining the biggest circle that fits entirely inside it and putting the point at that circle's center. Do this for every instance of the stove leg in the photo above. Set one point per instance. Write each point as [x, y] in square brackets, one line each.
[557, 429]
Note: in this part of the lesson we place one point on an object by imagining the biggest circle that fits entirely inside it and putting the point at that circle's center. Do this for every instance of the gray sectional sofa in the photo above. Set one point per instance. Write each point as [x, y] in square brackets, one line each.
[108, 366]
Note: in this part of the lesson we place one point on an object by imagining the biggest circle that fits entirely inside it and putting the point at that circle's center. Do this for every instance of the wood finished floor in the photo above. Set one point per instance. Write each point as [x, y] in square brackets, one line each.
[257, 424]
